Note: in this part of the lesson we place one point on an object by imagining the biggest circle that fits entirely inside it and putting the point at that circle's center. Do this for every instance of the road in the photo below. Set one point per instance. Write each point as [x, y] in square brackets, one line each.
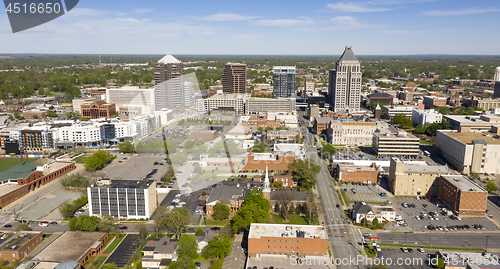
[343, 240]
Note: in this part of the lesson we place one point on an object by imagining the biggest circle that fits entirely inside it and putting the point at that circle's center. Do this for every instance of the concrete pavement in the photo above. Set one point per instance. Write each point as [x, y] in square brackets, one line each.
[237, 258]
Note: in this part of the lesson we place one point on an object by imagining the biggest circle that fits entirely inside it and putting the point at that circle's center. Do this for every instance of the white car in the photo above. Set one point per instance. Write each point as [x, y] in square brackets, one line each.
[404, 249]
[421, 250]
[378, 248]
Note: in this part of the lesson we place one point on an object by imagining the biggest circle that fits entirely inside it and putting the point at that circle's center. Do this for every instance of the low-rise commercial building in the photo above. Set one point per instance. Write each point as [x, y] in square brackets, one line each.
[20, 245]
[346, 172]
[281, 239]
[410, 178]
[98, 110]
[434, 101]
[390, 142]
[353, 133]
[321, 124]
[462, 195]
[472, 123]
[470, 152]
[391, 111]
[255, 105]
[227, 102]
[35, 114]
[274, 162]
[130, 199]
[420, 116]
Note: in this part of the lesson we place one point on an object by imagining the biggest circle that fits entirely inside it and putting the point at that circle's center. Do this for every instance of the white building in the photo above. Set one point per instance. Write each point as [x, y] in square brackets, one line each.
[421, 116]
[130, 199]
[391, 111]
[132, 100]
[291, 149]
[231, 102]
[353, 133]
[255, 105]
[239, 132]
[344, 88]
[362, 211]
[83, 134]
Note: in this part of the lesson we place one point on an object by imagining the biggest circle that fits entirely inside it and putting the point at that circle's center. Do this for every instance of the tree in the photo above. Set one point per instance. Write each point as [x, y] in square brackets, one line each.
[143, 231]
[198, 170]
[304, 172]
[175, 220]
[375, 221]
[218, 247]
[169, 174]
[83, 223]
[255, 209]
[11, 117]
[23, 227]
[106, 224]
[199, 231]
[221, 211]
[259, 147]
[403, 121]
[66, 209]
[260, 130]
[491, 186]
[126, 147]
[311, 208]
[278, 184]
[328, 150]
[110, 266]
[292, 209]
[284, 198]
[97, 160]
[51, 113]
[364, 221]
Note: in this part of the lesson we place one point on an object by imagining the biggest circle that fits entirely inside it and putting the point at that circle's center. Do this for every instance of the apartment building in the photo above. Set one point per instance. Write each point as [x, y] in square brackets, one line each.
[462, 195]
[284, 81]
[388, 142]
[414, 178]
[234, 78]
[37, 138]
[281, 239]
[130, 199]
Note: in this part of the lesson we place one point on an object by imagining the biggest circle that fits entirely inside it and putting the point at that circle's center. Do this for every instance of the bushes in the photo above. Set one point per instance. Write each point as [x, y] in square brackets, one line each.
[76, 181]
[68, 209]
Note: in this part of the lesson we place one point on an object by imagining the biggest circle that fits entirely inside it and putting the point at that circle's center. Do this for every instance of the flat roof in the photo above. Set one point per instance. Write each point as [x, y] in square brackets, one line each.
[468, 137]
[6, 188]
[125, 183]
[258, 230]
[463, 183]
[18, 240]
[71, 245]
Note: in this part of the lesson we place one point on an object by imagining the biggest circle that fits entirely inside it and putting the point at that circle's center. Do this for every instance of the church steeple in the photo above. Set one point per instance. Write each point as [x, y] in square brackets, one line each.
[267, 187]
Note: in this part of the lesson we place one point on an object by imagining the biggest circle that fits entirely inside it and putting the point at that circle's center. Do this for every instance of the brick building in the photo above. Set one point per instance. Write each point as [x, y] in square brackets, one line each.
[286, 179]
[434, 101]
[274, 162]
[98, 110]
[321, 124]
[282, 239]
[234, 198]
[462, 195]
[355, 173]
[20, 245]
[32, 113]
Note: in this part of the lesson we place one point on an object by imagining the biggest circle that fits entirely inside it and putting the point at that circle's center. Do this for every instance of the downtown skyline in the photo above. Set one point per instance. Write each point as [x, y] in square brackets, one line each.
[380, 27]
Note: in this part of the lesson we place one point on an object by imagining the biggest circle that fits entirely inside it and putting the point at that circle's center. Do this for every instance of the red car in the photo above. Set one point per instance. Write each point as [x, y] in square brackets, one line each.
[201, 205]
[123, 228]
[120, 161]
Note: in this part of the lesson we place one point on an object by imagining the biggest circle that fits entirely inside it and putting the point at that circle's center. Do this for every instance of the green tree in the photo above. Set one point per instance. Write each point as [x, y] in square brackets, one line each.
[259, 147]
[221, 211]
[304, 171]
[110, 266]
[175, 220]
[83, 223]
[106, 224]
[255, 209]
[198, 170]
[143, 231]
[403, 121]
[66, 209]
[169, 174]
[11, 117]
[126, 147]
[328, 150]
[491, 186]
[51, 113]
[219, 247]
[187, 248]
[199, 231]
[375, 221]
[97, 160]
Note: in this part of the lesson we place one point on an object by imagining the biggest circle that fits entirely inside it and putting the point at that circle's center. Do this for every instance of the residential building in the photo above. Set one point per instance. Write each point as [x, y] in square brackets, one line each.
[347, 172]
[380, 98]
[169, 84]
[130, 199]
[471, 152]
[462, 195]
[74, 246]
[321, 124]
[414, 178]
[224, 102]
[353, 133]
[284, 81]
[20, 245]
[255, 105]
[391, 111]
[283, 239]
[472, 123]
[159, 253]
[233, 197]
[434, 101]
[309, 85]
[362, 211]
[344, 87]
[234, 78]
[37, 138]
[420, 116]
[393, 142]
[98, 110]
[83, 134]
[132, 100]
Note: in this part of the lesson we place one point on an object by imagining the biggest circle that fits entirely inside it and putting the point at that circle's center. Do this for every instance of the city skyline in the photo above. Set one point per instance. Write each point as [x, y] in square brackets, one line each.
[381, 27]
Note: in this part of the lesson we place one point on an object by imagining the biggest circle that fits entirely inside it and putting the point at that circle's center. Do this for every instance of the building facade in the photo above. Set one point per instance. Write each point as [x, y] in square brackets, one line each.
[353, 133]
[284, 81]
[399, 143]
[130, 199]
[20, 245]
[255, 105]
[234, 78]
[462, 195]
[434, 101]
[391, 111]
[169, 84]
[420, 116]
[132, 100]
[344, 88]
[225, 102]
[356, 174]
[98, 110]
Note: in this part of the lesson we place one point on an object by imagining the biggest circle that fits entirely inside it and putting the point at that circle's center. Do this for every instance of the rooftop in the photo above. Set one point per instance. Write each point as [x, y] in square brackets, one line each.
[463, 183]
[380, 95]
[15, 242]
[231, 96]
[19, 171]
[169, 59]
[323, 119]
[348, 55]
[124, 183]
[163, 245]
[298, 196]
[224, 193]
[258, 230]
[469, 137]
[72, 251]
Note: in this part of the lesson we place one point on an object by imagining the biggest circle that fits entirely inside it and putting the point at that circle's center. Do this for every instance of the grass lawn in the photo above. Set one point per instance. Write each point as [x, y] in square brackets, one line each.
[346, 199]
[80, 159]
[113, 245]
[45, 236]
[217, 222]
[7, 163]
[426, 247]
[370, 253]
[98, 262]
[292, 219]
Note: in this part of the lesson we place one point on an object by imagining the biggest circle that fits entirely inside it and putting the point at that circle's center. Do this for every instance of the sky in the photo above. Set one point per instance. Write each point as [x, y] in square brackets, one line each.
[273, 27]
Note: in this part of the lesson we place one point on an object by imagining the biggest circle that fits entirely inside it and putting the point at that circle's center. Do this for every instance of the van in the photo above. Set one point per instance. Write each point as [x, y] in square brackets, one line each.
[43, 224]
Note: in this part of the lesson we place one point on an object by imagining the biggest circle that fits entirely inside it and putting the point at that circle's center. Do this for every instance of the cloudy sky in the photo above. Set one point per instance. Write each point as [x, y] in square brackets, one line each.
[306, 27]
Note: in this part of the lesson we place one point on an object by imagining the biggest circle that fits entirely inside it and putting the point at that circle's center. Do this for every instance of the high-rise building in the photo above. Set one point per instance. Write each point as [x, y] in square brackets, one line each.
[497, 74]
[496, 87]
[234, 78]
[284, 81]
[344, 88]
[169, 84]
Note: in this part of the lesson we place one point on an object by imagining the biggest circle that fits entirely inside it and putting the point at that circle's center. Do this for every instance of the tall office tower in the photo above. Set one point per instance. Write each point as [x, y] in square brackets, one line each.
[188, 94]
[169, 84]
[234, 78]
[496, 89]
[344, 88]
[284, 81]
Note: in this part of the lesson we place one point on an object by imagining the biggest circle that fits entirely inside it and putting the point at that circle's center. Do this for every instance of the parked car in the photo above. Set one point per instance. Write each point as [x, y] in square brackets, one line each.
[123, 228]
[421, 250]
[404, 249]
[383, 194]
[7, 226]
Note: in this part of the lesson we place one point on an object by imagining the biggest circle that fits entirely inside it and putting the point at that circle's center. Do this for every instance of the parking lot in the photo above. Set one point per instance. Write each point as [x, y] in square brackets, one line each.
[136, 166]
[364, 193]
[399, 259]
[191, 202]
[425, 206]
